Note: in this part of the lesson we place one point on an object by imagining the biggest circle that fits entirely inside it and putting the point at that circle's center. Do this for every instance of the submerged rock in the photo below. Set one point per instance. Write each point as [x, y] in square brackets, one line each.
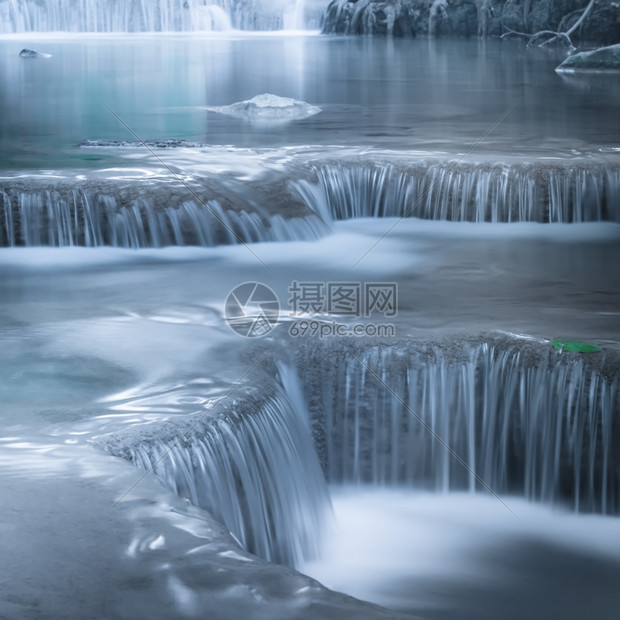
[165, 143]
[602, 59]
[26, 53]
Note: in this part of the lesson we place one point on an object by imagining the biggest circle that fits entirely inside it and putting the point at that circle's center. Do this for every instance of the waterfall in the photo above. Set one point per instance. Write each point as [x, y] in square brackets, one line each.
[156, 15]
[298, 205]
[512, 415]
[525, 418]
[250, 462]
[139, 218]
[294, 18]
[542, 192]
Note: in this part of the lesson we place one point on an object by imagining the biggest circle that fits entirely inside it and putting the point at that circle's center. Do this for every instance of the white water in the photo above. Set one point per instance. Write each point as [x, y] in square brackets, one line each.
[423, 553]
[78, 217]
[294, 18]
[251, 464]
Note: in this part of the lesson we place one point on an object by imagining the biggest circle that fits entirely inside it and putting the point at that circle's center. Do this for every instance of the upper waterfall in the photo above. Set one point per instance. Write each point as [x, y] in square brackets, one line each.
[154, 213]
[158, 15]
[574, 191]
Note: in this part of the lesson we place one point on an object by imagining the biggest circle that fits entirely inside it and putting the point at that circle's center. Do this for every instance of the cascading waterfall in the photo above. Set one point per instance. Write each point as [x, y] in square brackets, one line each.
[302, 206]
[156, 15]
[527, 419]
[114, 16]
[542, 192]
[524, 418]
[250, 462]
[139, 218]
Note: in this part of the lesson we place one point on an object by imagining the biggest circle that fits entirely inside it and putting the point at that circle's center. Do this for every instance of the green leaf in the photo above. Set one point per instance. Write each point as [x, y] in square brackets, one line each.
[575, 345]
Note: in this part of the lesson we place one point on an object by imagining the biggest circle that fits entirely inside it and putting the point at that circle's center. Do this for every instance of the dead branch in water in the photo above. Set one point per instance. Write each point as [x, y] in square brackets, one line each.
[551, 36]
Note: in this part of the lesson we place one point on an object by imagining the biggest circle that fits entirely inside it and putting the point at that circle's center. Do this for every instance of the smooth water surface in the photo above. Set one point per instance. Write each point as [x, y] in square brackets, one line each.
[438, 96]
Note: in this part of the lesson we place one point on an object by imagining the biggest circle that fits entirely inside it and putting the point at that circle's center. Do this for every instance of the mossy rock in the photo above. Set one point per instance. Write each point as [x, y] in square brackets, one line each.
[602, 59]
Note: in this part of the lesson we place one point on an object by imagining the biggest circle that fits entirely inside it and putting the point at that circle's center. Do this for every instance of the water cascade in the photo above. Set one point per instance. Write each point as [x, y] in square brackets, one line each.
[135, 216]
[156, 15]
[212, 211]
[516, 416]
[294, 19]
[525, 418]
[250, 462]
[542, 192]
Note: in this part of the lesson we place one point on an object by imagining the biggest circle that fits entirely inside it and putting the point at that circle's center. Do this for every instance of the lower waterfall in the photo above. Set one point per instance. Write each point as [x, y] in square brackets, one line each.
[520, 416]
[499, 414]
[250, 462]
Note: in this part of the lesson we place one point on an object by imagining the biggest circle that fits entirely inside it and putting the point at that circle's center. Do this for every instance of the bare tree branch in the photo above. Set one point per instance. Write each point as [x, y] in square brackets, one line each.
[581, 19]
[562, 35]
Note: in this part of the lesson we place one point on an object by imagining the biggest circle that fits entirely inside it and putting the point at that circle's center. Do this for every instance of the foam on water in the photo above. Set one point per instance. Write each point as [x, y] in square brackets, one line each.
[392, 234]
[413, 551]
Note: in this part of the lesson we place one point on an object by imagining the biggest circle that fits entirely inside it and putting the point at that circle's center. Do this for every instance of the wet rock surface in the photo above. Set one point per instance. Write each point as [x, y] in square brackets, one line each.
[602, 59]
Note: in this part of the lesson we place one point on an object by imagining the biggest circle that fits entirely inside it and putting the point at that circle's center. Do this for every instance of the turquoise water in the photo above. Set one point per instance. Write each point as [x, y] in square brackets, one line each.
[439, 96]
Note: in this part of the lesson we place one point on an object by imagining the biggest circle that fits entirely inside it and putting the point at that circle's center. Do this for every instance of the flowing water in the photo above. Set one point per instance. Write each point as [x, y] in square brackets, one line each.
[158, 16]
[458, 466]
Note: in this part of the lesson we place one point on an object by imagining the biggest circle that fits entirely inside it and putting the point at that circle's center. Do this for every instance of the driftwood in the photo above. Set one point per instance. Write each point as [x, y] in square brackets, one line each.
[410, 17]
[546, 37]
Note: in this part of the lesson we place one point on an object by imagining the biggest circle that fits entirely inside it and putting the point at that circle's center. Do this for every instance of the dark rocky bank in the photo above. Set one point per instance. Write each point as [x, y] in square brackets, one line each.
[466, 18]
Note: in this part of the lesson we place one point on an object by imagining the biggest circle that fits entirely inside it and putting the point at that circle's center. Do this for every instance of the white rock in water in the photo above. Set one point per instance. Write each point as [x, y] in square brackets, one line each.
[26, 53]
[268, 108]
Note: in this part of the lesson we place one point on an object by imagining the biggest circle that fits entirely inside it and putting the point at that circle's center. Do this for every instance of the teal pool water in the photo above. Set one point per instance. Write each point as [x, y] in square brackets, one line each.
[438, 96]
